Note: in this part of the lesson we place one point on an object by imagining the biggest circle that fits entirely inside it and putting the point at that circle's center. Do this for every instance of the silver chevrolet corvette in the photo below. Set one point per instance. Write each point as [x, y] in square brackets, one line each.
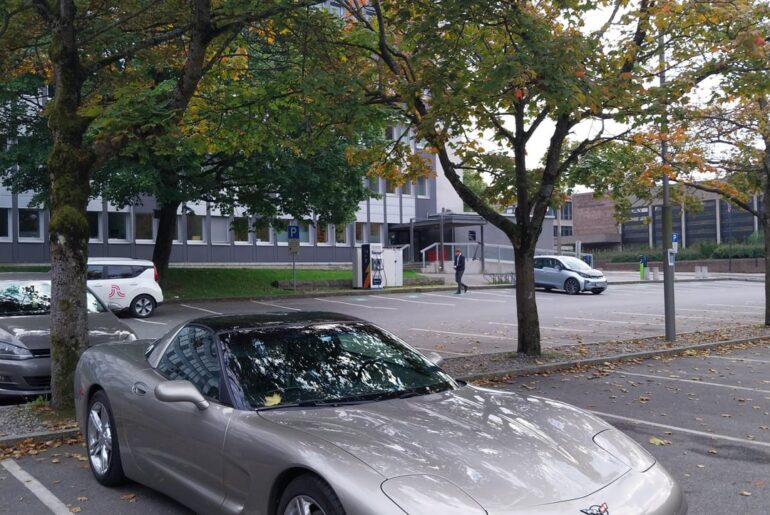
[325, 414]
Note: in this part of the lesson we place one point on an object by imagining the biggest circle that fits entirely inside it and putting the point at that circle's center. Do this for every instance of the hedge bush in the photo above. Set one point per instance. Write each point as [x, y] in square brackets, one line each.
[753, 247]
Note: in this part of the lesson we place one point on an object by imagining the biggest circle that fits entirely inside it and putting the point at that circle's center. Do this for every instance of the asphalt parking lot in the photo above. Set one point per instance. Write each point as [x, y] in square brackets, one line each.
[710, 413]
[485, 320]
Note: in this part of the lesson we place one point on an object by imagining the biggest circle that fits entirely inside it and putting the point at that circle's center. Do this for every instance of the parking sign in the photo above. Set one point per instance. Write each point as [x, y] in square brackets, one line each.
[294, 232]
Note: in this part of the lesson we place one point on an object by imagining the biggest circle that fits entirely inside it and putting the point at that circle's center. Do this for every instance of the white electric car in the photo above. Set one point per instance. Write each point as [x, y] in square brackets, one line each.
[125, 284]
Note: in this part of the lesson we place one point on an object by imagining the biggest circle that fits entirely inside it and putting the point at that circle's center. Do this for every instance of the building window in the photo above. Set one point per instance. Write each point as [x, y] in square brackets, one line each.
[322, 234]
[374, 184]
[566, 230]
[374, 233]
[143, 223]
[117, 226]
[390, 133]
[282, 235]
[195, 232]
[94, 226]
[360, 231]
[241, 229]
[566, 211]
[30, 224]
[422, 187]
[220, 229]
[304, 232]
[5, 223]
[341, 234]
[262, 234]
[406, 188]
[390, 186]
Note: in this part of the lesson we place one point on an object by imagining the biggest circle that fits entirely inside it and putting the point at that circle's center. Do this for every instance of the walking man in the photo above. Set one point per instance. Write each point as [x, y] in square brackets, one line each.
[459, 270]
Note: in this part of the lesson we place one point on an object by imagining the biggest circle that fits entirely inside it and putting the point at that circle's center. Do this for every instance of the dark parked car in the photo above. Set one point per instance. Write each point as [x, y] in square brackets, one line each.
[25, 343]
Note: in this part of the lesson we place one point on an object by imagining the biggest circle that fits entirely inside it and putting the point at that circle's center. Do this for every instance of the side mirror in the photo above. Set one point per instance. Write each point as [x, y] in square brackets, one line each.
[114, 307]
[180, 391]
[436, 358]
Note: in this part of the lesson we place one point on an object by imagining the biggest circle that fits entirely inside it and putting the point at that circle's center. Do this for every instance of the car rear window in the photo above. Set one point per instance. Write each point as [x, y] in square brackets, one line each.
[124, 271]
[21, 298]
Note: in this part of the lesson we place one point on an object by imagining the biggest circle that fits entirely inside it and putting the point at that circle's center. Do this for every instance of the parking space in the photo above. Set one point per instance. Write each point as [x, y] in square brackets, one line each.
[709, 415]
[485, 320]
[59, 481]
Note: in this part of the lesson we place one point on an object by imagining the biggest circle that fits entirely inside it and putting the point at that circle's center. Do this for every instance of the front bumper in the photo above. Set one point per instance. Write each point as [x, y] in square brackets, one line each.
[653, 492]
[22, 378]
[594, 284]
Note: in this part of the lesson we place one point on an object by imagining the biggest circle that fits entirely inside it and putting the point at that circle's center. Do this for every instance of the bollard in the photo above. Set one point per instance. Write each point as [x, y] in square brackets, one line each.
[655, 273]
[646, 274]
[704, 272]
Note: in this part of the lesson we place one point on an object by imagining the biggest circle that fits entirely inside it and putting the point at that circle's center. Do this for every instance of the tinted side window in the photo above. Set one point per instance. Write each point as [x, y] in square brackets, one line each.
[95, 272]
[120, 272]
[192, 355]
[538, 263]
[138, 270]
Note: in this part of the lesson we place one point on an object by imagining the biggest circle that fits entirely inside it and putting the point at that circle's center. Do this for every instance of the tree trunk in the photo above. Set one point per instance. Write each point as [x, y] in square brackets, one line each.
[167, 228]
[68, 166]
[526, 306]
[764, 221]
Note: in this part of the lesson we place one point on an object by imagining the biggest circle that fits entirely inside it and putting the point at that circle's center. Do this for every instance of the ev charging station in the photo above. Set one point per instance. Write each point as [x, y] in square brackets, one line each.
[377, 267]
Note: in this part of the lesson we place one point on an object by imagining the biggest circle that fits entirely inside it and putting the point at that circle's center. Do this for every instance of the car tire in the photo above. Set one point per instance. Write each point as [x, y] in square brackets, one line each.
[102, 442]
[142, 306]
[309, 494]
[571, 286]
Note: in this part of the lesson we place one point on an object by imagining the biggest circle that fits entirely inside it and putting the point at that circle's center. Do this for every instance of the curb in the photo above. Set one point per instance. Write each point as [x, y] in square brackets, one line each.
[562, 365]
[419, 289]
[43, 436]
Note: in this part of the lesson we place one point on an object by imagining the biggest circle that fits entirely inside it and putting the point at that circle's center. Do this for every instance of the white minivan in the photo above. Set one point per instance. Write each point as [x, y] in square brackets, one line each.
[125, 284]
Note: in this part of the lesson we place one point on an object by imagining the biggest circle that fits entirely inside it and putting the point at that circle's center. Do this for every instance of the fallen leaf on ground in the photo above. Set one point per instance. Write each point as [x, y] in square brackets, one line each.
[654, 440]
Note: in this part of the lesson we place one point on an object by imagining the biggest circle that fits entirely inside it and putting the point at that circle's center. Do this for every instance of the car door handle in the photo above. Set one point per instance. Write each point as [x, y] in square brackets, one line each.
[139, 388]
[97, 285]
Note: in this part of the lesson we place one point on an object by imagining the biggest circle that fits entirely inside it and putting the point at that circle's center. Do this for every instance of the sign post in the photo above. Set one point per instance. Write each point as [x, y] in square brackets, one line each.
[294, 250]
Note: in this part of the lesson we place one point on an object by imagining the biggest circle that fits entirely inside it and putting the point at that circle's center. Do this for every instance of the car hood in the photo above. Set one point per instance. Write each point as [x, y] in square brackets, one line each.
[34, 331]
[504, 450]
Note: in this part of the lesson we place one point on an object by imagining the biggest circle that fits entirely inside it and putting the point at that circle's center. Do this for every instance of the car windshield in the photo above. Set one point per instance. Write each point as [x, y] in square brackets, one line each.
[574, 263]
[326, 364]
[18, 298]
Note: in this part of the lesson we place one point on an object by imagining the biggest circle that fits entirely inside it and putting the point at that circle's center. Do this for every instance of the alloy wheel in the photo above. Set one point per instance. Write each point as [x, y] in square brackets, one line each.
[99, 438]
[142, 307]
[303, 505]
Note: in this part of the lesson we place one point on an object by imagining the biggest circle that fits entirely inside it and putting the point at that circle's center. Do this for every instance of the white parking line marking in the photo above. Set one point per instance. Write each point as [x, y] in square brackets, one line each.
[444, 351]
[750, 360]
[275, 305]
[351, 304]
[33, 485]
[463, 297]
[736, 306]
[202, 309]
[149, 321]
[551, 328]
[384, 297]
[622, 322]
[693, 381]
[731, 313]
[715, 436]
[461, 334]
[506, 295]
[652, 315]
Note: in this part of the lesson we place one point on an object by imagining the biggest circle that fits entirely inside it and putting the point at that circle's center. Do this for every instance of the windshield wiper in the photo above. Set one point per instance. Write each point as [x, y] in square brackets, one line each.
[316, 403]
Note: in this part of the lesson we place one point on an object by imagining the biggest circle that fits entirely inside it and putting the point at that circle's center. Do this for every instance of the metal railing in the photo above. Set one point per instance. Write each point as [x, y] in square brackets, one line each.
[492, 253]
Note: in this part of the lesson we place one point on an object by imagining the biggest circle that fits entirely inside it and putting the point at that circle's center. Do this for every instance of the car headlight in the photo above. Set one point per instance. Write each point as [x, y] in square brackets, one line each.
[14, 352]
[625, 449]
[430, 494]
[583, 274]
[127, 336]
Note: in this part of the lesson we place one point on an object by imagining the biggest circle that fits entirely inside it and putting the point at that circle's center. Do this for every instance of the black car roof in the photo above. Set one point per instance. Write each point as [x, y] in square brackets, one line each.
[222, 323]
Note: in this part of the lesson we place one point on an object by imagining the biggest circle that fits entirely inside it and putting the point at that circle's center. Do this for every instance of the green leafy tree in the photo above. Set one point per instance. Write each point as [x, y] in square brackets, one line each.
[460, 73]
[97, 56]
